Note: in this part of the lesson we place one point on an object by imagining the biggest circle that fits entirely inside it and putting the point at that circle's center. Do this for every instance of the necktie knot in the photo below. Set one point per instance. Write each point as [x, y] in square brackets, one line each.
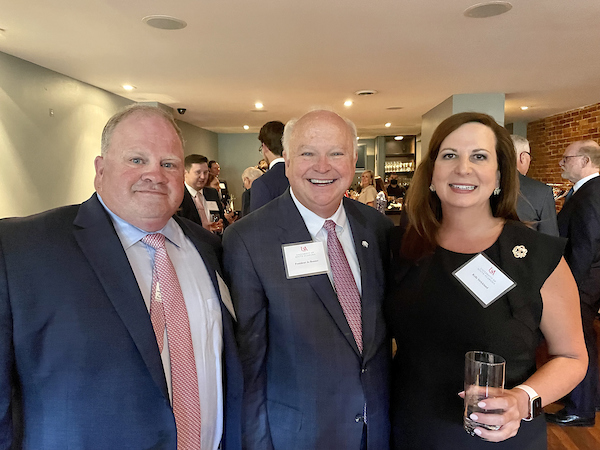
[154, 240]
[329, 226]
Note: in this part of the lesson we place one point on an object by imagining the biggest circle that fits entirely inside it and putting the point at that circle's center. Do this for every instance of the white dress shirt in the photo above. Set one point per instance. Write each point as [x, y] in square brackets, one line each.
[315, 223]
[581, 182]
[193, 192]
[276, 161]
[204, 313]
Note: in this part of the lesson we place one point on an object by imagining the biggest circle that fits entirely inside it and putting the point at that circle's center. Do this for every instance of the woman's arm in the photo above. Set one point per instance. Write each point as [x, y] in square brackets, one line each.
[561, 326]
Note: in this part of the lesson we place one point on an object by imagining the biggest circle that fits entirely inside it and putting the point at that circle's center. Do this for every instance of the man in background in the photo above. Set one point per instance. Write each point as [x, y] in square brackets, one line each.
[115, 331]
[201, 204]
[579, 221]
[311, 335]
[274, 182]
[248, 176]
[536, 200]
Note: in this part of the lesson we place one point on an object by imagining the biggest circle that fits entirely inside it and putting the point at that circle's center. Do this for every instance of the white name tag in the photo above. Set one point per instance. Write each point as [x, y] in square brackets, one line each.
[305, 259]
[483, 279]
[212, 206]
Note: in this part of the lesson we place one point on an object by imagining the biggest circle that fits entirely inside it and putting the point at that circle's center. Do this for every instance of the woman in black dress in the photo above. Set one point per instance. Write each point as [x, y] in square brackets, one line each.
[461, 204]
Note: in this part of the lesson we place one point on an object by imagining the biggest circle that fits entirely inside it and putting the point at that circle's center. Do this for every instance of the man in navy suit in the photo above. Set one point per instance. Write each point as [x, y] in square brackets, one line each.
[315, 371]
[536, 200]
[579, 221]
[274, 182]
[80, 366]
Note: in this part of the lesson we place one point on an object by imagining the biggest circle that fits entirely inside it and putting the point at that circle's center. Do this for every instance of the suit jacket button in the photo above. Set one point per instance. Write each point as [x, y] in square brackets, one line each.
[359, 418]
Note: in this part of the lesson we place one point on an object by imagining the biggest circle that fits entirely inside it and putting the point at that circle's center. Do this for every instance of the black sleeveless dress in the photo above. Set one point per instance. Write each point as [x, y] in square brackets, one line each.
[435, 321]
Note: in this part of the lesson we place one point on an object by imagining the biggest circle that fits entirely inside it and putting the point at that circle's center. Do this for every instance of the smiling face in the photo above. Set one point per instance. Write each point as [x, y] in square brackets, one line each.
[466, 169]
[320, 161]
[197, 175]
[366, 179]
[140, 177]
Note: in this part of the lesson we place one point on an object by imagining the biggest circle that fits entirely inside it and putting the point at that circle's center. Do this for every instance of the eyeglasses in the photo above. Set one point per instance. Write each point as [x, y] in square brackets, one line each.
[260, 148]
[530, 155]
[564, 158]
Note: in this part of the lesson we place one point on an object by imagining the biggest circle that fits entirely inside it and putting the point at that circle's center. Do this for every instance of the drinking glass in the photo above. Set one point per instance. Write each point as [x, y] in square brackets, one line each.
[484, 377]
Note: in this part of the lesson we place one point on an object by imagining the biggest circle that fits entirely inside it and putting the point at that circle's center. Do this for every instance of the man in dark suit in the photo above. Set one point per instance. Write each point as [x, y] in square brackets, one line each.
[579, 221]
[274, 182]
[307, 280]
[201, 204]
[82, 364]
[536, 200]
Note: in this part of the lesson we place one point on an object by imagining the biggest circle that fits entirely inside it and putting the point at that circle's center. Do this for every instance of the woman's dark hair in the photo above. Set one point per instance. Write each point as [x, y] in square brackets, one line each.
[423, 207]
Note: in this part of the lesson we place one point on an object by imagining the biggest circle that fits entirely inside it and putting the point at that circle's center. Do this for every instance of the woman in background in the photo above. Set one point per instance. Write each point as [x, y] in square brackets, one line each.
[461, 203]
[381, 199]
[368, 193]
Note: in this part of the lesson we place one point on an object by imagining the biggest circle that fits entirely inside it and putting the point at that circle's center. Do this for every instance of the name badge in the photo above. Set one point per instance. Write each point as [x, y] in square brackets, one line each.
[305, 259]
[483, 279]
[212, 206]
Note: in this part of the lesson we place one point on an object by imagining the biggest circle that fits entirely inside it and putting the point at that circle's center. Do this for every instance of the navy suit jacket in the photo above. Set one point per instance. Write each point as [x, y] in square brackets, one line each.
[77, 348]
[188, 207]
[536, 205]
[579, 221]
[268, 186]
[307, 382]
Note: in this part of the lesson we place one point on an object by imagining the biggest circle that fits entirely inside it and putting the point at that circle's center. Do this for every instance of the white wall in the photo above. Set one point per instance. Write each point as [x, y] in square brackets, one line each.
[48, 161]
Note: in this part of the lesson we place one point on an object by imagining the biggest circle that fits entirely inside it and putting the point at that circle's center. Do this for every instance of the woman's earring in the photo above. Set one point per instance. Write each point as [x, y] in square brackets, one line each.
[432, 187]
[497, 191]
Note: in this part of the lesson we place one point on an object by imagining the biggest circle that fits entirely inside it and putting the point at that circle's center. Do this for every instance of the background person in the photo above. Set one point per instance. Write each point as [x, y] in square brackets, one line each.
[368, 193]
[248, 176]
[381, 199]
[462, 203]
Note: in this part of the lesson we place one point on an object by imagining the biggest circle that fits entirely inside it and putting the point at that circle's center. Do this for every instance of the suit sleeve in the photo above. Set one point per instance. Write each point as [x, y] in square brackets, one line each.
[260, 194]
[584, 253]
[250, 303]
[6, 360]
[548, 223]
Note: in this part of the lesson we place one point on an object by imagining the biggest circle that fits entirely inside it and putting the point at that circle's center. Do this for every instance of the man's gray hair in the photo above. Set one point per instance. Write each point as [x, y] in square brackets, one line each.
[591, 149]
[144, 110]
[252, 173]
[289, 130]
[520, 143]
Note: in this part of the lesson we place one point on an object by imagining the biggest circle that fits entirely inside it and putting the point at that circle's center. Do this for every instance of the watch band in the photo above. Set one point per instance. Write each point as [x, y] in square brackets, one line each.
[535, 401]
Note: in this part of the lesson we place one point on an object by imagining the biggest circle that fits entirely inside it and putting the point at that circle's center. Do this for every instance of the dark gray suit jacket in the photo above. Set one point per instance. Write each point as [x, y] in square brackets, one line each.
[305, 381]
[579, 221]
[268, 186]
[536, 205]
[77, 346]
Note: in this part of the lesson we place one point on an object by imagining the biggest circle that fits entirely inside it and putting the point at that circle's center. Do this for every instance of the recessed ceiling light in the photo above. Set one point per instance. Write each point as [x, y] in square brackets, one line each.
[365, 92]
[389, 124]
[488, 9]
[164, 22]
[246, 127]
[348, 103]
[258, 105]
[399, 138]
[357, 138]
[524, 108]
[128, 87]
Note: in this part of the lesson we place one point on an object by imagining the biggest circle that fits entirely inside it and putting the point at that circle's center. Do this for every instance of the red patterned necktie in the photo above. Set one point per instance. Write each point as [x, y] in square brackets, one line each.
[167, 308]
[345, 284]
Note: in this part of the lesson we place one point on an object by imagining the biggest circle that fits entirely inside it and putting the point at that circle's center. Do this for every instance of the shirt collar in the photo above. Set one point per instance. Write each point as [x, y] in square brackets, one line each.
[315, 223]
[581, 182]
[191, 190]
[130, 234]
[276, 161]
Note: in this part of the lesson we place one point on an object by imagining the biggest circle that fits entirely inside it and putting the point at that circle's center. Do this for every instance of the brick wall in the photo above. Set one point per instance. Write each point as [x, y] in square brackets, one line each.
[550, 136]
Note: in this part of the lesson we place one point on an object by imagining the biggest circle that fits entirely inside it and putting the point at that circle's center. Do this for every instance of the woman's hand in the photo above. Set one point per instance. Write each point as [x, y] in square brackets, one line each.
[514, 405]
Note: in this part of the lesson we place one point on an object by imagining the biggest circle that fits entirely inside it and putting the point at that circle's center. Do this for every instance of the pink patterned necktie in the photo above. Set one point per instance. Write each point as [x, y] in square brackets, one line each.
[200, 208]
[167, 308]
[344, 282]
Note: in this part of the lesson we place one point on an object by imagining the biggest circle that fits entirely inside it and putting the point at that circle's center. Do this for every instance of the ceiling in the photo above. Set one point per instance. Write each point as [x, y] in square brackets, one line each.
[295, 55]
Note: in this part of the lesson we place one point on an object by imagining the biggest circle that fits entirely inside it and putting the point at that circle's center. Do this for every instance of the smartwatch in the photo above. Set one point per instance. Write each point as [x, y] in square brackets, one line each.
[535, 402]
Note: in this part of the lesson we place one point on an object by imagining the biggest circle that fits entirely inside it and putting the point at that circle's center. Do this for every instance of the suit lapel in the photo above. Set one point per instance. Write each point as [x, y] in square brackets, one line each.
[100, 244]
[293, 229]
